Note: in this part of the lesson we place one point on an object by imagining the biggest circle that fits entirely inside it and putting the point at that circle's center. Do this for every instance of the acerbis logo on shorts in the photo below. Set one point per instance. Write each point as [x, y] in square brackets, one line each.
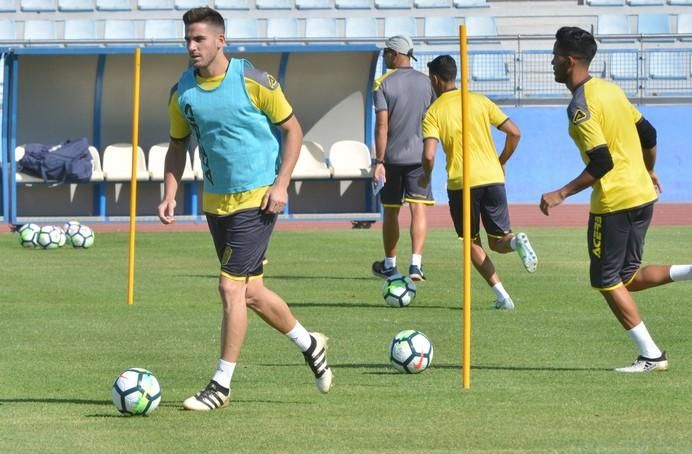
[227, 252]
[596, 240]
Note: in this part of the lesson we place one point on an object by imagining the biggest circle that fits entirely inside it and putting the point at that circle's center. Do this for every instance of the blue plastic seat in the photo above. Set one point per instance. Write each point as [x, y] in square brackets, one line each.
[162, 29]
[667, 65]
[653, 24]
[273, 4]
[624, 65]
[241, 28]
[153, 5]
[75, 5]
[117, 29]
[393, 4]
[113, 5]
[360, 27]
[320, 27]
[438, 26]
[471, 4]
[8, 30]
[314, 4]
[488, 67]
[685, 25]
[400, 25]
[605, 2]
[282, 27]
[613, 24]
[429, 4]
[184, 5]
[38, 6]
[481, 26]
[8, 6]
[80, 29]
[352, 4]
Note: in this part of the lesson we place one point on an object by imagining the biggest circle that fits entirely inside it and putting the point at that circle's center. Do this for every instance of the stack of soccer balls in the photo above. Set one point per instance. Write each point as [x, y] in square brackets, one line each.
[53, 237]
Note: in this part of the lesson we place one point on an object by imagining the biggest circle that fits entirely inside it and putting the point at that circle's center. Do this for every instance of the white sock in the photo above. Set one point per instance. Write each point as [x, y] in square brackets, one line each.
[500, 292]
[681, 272]
[224, 373]
[513, 243]
[300, 337]
[416, 260]
[642, 339]
[390, 262]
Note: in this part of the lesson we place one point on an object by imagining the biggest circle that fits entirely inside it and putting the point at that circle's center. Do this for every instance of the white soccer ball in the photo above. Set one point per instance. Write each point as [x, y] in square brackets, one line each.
[136, 392]
[399, 290]
[410, 351]
[63, 236]
[48, 237]
[83, 237]
[28, 234]
[70, 228]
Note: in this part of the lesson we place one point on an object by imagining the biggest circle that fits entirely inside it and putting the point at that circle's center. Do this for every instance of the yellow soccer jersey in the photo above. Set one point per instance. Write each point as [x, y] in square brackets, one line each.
[443, 122]
[601, 115]
[265, 93]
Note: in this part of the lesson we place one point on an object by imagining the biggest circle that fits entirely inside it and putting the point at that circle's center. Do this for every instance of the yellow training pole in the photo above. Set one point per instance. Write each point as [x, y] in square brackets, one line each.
[466, 202]
[133, 181]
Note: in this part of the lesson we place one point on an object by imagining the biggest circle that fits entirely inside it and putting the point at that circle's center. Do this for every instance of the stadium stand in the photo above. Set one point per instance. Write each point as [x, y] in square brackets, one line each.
[667, 65]
[349, 159]
[624, 65]
[311, 163]
[157, 159]
[75, 5]
[117, 163]
[489, 67]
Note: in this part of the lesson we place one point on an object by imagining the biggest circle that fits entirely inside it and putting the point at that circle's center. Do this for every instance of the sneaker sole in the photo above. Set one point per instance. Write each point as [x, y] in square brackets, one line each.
[660, 366]
[530, 261]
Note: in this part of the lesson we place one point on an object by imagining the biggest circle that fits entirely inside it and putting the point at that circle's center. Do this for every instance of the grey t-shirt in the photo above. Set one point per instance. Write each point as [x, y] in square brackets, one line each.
[406, 95]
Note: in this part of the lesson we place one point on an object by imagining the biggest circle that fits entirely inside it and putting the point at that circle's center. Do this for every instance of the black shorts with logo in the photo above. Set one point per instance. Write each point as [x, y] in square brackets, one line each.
[488, 203]
[616, 245]
[241, 240]
[402, 186]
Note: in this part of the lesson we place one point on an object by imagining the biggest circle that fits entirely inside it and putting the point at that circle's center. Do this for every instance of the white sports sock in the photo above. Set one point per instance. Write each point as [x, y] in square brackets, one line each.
[500, 292]
[642, 339]
[390, 262]
[300, 337]
[416, 260]
[513, 243]
[681, 272]
[224, 373]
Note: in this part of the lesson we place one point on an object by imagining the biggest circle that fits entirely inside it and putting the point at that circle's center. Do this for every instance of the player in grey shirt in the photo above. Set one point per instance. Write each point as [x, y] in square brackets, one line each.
[401, 97]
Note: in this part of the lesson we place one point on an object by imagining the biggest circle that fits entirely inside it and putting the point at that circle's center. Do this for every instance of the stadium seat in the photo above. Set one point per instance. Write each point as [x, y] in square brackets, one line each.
[654, 24]
[430, 4]
[153, 5]
[680, 2]
[232, 4]
[471, 4]
[440, 26]
[624, 65]
[481, 26]
[39, 30]
[320, 27]
[80, 29]
[8, 30]
[488, 67]
[314, 4]
[282, 27]
[311, 163]
[605, 2]
[162, 29]
[393, 4]
[241, 28]
[8, 6]
[685, 25]
[360, 27]
[116, 29]
[350, 159]
[645, 2]
[96, 170]
[400, 25]
[117, 163]
[197, 169]
[666, 65]
[75, 5]
[38, 6]
[273, 4]
[113, 5]
[613, 24]
[352, 4]
[184, 5]
[157, 162]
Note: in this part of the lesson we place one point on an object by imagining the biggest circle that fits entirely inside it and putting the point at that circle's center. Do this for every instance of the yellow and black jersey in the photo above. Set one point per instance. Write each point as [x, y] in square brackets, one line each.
[266, 95]
[443, 122]
[601, 115]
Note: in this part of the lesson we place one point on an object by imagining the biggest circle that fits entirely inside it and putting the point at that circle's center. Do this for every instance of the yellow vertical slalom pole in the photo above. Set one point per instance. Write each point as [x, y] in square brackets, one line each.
[133, 181]
[466, 203]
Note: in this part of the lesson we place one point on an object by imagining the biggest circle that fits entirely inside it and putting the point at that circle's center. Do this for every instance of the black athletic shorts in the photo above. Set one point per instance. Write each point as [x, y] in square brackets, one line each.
[402, 186]
[488, 203]
[616, 245]
[241, 240]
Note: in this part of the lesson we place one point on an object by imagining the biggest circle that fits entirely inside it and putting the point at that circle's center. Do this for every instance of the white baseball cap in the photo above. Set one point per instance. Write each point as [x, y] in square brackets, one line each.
[401, 44]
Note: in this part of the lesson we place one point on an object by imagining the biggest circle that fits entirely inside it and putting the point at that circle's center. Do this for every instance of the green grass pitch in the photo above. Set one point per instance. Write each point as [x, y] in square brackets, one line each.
[541, 379]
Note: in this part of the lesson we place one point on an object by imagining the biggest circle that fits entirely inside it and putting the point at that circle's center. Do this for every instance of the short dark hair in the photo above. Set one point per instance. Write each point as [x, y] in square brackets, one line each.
[576, 42]
[443, 67]
[206, 15]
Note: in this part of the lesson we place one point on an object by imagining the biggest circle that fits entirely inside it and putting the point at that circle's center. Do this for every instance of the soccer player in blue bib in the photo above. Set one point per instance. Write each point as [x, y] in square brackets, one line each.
[232, 110]
[618, 147]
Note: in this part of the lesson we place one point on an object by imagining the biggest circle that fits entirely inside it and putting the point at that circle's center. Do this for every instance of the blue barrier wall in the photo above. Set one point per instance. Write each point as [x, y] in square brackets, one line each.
[547, 158]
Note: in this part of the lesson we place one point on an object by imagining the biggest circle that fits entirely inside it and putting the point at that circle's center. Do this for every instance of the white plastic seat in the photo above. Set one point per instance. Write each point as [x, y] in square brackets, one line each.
[273, 4]
[282, 27]
[76, 5]
[428, 4]
[157, 163]
[39, 30]
[400, 25]
[393, 4]
[8, 30]
[350, 159]
[481, 26]
[613, 24]
[313, 4]
[162, 29]
[80, 29]
[320, 27]
[654, 24]
[37, 6]
[605, 2]
[151, 5]
[242, 5]
[197, 169]
[360, 27]
[8, 6]
[116, 29]
[471, 4]
[352, 4]
[117, 163]
[96, 170]
[440, 26]
[113, 5]
[241, 27]
[311, 163]
[184, 5]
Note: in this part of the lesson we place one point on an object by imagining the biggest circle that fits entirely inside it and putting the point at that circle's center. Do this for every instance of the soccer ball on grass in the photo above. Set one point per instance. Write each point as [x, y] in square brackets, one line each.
[49, 237]
[410, 351]
[28, 234]
[136, 392]
[82, 237]
[399, 291]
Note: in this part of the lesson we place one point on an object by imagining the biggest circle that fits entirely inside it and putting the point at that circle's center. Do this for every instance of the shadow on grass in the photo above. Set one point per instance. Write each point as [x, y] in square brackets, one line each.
[380, 366]
[292, 277]
[51, 400]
